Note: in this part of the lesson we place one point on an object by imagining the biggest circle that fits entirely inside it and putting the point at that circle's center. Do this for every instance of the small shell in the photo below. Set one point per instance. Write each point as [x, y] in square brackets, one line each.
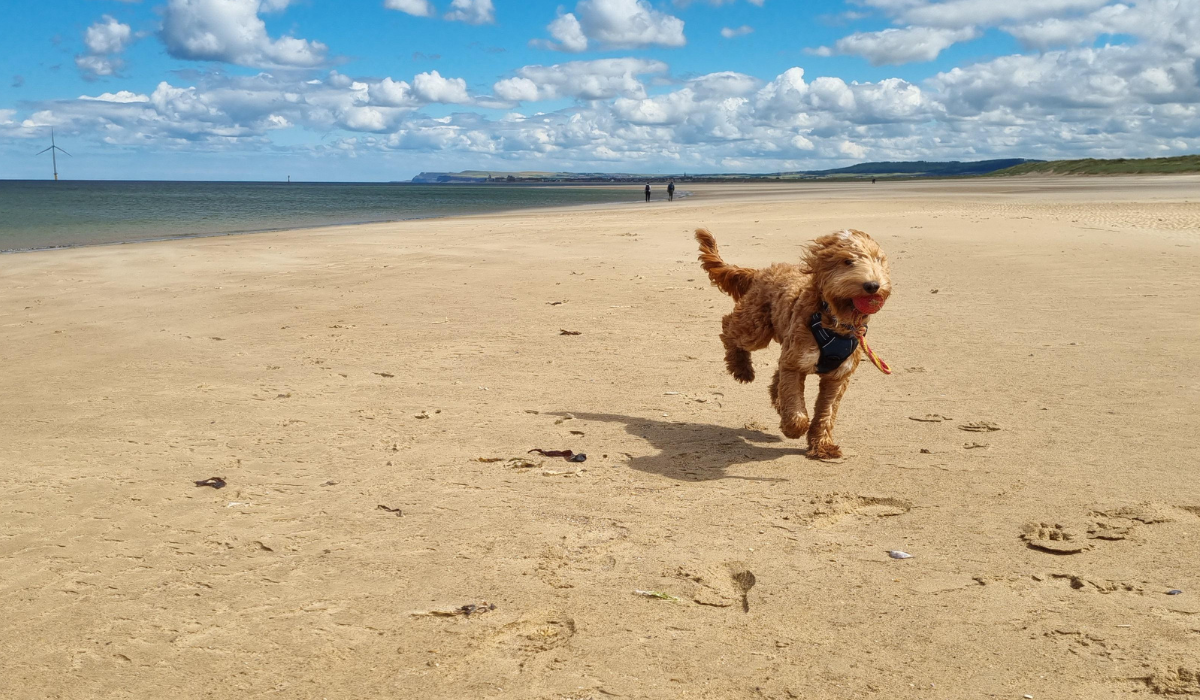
[1174, 591]
[897, 554]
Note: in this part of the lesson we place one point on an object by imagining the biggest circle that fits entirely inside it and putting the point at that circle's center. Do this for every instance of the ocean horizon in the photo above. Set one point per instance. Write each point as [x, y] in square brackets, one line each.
[44, 214]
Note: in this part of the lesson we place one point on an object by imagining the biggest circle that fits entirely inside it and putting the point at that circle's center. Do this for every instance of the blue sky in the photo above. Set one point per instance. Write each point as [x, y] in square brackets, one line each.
[383, 89]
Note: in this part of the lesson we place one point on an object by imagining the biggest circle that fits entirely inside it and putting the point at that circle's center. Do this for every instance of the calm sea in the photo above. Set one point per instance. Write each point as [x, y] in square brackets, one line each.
[44, 214]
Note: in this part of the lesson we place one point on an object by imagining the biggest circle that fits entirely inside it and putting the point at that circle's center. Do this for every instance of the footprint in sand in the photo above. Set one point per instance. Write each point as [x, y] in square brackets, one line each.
[1110, 530]
[720, 586]
[550, 563]
[1121, 523]
[530, 637]
[1144, 513]
[707, 585]
[1175, 680]
[930, 418]
[1054, 539]
[830, 510]
[1083, 643]
[585, 546]
[1112, 525]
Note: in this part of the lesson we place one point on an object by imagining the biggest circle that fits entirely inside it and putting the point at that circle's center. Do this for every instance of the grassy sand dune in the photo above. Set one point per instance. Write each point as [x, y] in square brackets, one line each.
[1101, 166]
[362, 390]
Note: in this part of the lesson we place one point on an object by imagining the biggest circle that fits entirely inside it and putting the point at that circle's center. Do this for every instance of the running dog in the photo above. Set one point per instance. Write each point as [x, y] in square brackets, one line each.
[817, 311]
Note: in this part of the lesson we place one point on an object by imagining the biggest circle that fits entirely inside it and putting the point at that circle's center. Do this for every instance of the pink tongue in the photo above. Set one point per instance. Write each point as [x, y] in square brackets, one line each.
[868, 305]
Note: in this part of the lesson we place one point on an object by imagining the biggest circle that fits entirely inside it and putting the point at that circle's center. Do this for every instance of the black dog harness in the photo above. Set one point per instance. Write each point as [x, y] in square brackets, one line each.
[834, 348]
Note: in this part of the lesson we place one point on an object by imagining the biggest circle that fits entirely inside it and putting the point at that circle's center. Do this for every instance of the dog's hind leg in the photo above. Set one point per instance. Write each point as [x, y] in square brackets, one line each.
[737, 358]
[820, 433]
[745, 330]
[787, 394]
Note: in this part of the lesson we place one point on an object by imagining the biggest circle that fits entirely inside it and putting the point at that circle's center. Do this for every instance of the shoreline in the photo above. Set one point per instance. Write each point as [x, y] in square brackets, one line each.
[766, 190]
[283, 229]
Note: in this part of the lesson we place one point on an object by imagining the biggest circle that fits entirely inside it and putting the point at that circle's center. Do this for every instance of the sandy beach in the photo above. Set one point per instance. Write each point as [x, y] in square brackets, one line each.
[362, 389]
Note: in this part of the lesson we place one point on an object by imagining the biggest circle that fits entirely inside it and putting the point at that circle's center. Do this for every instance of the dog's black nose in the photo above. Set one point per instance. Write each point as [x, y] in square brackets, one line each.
[871, 287]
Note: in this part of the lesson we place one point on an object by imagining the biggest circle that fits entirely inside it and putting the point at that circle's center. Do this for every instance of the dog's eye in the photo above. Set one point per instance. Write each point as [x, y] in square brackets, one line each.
[849, 261]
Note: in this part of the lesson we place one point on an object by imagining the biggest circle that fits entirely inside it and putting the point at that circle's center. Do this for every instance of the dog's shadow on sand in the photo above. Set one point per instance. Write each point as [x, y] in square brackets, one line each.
[697, 451]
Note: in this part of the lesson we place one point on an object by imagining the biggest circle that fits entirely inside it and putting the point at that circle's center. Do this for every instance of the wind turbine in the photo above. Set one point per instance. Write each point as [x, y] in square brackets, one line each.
[53, 155]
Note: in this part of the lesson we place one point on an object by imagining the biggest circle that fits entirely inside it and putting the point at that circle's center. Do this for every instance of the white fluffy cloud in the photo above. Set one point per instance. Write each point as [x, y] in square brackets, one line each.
[432, 87]
[231, 31]
[122, 96]
[97, 66]
[104, 40]
[1113, 79]
[568, 32]
[614, 24]
[107, 36]
[588, 80]
[392, 93]
[895, 46]
[931, 26]
[469, 11]
[732, 32]
[966, 13]
[715, 3]
[472, 12]
[227, 111]
[416, 8]
[1172, 24]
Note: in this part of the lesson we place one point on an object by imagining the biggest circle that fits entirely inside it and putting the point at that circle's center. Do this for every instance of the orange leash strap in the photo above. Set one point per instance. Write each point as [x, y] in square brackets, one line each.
[875, 359]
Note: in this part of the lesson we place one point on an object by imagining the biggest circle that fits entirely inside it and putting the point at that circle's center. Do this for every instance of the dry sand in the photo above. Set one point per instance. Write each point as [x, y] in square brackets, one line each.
[325, 373]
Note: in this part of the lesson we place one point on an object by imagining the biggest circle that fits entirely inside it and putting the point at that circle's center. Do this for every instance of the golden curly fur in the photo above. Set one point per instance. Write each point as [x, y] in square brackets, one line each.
[776, 303]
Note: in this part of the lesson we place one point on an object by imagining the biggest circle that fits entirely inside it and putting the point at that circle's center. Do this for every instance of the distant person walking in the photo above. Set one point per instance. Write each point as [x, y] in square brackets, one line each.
[647, 191]
[671, 191]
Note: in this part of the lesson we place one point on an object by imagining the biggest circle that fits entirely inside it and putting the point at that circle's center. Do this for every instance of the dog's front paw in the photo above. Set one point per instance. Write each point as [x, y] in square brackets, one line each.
[794, 428]
[824, 450]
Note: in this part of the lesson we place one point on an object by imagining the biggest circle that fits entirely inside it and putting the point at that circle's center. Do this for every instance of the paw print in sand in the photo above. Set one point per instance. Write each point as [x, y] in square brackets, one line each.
[1055, 538]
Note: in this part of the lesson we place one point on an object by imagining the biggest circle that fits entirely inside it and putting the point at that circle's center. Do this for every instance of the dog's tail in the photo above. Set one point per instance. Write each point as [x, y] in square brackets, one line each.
[731, 279]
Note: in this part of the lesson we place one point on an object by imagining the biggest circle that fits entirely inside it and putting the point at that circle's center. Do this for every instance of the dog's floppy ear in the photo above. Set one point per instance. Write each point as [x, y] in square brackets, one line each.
[824, 252]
